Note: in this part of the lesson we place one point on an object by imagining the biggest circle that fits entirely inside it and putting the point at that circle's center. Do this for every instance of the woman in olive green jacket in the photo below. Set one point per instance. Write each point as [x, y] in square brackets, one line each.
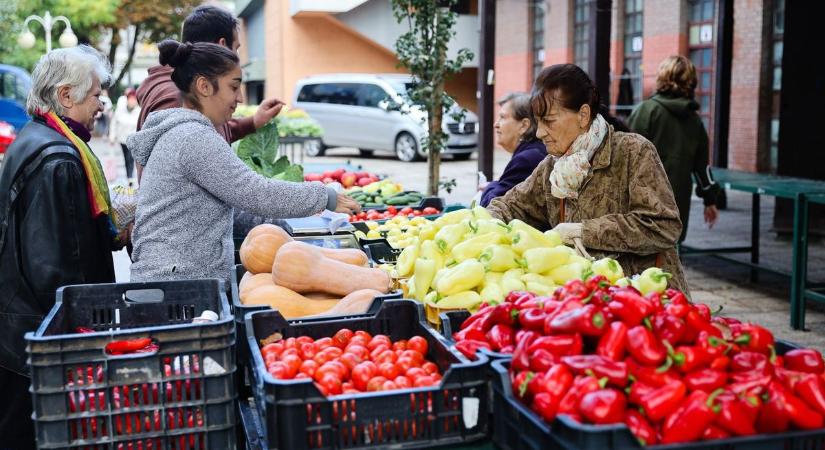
[604, 187]
[670, 121]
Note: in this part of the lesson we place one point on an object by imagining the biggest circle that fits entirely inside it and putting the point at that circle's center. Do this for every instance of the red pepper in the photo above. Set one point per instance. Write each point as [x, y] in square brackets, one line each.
[719, 363]
[545, 405]
[532, 319]
[799, 414]
[572, 289]
[477, 318]
[637, 391]
[689, 358]
[630, 307]
[694, 419]
[707, 380]
[521, 333]
[601, 367]
[805, 360]
[84, 330]
[651, 375]
[678, 310]
[772, 416]
[559, 345]
[714, 432]
[657, 300]
[789, 378]
[712, 345]
[541, 360]
[588, 321]
[696, 324]
[558, 380]
[613, 342]
[473, 333]
[640, 427]
[754, 338]
[643, 346]
[521, 357]
[569, 404]
[500, 336]
[675, 296]
[668, 327]
[731, 414]
[504, 314]
[469, 347]
[521, 383]
[550, 306]
[127, 346]
[750, 362]
[597, 282]
[662, 401]
[703, 310]
[515, 296]
[752, 384]
[751, 404]
[810, 388]
[603, 406]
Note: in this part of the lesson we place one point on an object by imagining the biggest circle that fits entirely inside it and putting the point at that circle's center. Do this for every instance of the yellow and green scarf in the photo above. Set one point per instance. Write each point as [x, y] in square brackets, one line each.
[97, 188]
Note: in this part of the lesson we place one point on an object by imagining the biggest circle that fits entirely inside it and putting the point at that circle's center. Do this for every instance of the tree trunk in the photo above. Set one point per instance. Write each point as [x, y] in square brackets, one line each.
[436, 139]
[128, 63]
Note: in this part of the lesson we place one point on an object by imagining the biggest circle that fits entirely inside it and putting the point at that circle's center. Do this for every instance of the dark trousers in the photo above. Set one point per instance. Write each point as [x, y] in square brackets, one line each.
[130, 161]
[16, 425]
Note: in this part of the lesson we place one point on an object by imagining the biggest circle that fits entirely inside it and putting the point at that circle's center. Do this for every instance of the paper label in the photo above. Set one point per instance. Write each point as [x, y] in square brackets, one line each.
[470, 411]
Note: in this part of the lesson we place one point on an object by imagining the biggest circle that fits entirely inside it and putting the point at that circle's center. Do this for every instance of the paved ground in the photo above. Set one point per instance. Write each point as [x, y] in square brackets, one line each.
[712, 281]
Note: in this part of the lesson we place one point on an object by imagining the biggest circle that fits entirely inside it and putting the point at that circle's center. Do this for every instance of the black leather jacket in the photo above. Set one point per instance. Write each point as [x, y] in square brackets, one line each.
[48, 237]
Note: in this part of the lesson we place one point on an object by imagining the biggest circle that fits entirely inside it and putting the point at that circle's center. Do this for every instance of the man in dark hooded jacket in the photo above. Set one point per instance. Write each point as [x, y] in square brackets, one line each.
[670, 121]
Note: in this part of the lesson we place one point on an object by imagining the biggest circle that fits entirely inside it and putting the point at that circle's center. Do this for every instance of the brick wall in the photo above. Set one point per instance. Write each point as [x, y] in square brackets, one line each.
[514, 56]
[558, 37]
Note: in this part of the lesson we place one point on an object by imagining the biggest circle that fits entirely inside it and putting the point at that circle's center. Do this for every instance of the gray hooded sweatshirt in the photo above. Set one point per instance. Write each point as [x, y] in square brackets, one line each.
[191, 181]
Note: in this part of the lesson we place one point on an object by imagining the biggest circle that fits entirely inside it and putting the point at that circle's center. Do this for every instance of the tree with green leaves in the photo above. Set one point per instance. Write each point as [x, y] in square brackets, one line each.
[422, 49]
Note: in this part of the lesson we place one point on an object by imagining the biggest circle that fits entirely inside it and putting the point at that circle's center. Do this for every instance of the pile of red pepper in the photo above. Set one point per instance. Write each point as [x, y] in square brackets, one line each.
[660, 364]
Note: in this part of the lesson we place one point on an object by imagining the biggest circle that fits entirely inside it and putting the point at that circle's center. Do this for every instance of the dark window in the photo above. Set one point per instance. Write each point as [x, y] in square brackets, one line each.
[462, 7]
[537, 9]
[633, 43]
[370, 95]
[701, 37]
[254, 92]
[335, 93]
[581, 33]
[778, 40]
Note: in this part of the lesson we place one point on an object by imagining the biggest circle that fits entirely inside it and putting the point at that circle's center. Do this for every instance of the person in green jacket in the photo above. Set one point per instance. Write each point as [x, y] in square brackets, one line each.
[670, 121]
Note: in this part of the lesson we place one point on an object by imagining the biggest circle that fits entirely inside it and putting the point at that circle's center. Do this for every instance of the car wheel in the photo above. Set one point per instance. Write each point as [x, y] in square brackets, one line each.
[406, 149]
[365, 153]
[462, 156]
[315, 148]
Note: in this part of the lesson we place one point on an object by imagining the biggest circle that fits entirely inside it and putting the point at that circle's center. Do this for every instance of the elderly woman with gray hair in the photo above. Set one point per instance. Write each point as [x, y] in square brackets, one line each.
[516, 133]
[56, 222]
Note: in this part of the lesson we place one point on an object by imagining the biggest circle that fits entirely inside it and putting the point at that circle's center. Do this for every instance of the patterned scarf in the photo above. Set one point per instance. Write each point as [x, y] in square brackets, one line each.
[97, 188]
[570, 170]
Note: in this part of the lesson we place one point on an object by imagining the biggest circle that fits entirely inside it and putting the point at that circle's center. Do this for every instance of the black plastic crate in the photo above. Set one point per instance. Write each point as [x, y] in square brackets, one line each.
[435, 202]
[379, 251]
[516, 427]
[240, 310]
[180, 396]
[297, 416]
[451, 323]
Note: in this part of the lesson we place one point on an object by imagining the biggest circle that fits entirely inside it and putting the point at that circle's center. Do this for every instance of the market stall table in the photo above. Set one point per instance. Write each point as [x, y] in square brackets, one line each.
[810, 291]
[795, 189]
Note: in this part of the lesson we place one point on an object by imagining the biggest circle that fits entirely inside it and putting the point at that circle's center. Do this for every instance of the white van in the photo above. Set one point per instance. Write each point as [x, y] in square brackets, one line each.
[369, 112]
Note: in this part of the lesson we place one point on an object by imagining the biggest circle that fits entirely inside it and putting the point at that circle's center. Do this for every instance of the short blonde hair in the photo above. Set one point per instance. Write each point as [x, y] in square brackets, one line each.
[676, 77]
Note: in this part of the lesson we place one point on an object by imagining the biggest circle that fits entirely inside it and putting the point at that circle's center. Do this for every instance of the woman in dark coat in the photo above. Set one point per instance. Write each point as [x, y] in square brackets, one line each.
[516, 132]
[670, 121]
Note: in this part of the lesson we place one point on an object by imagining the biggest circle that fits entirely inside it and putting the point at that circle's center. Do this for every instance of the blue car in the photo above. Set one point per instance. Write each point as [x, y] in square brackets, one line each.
[15, 84]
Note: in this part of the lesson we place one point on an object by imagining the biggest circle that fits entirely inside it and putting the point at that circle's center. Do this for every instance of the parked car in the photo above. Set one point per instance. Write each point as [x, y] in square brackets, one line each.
[15, 84]
[371, 113]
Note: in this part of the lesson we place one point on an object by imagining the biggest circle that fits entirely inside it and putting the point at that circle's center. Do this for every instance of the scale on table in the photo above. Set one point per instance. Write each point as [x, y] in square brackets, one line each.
[315, 230]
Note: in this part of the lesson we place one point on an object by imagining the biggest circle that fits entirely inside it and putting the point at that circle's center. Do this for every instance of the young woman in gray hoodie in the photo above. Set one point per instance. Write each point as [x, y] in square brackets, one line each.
[192, 179]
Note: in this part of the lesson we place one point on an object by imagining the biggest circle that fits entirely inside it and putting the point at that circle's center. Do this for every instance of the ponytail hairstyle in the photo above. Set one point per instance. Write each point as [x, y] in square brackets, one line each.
[191, 61]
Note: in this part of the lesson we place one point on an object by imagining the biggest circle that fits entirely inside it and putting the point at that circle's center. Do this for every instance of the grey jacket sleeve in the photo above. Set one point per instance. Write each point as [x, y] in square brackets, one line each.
[210, 163]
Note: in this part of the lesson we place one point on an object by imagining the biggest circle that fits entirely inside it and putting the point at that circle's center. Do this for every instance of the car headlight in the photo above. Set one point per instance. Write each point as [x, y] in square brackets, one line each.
[477, 127]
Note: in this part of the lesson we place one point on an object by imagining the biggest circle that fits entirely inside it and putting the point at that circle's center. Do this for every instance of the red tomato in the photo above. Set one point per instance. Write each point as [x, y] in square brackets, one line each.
[424, 381]
[417, 212]
[404, 364]
[415, 355]
[358, 350]
[309, 367]
[402, 382]
[301, 375]
[379, 339]
[275, 348]
[418, 344]
[270, 358]
[350, 360]
[342, 337]
[362, 374]
[429, 211]
[327, 354]
[388, 370]
[308, 351]
[289, 351]
[429, 367]
[364, 334]
[291, 343]
[392, 210]
[331, 383]
[358, 340]
[347, 385]
[373, 216]
[400, 345]
[303, 339]
[374, 353]
[375, 383]
[279, 371]
[406, 210]
[436, 377]
[323, 343]
[351, 391]
[387, 356]
[414, 373]
[336, 367]
[389, 386]
[293, 362]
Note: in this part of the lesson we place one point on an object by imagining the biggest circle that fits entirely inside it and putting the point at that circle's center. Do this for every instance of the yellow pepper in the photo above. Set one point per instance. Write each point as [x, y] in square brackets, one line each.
[622, 282]
[492, 226]
[409, 287]
[481, 213]
[554, 236]
[492, 293]
[406, 260]
[499, 258]
[464, 300]
[427, 232]
[491, 278]
[461, 277]
[652, 279]
[449, 236]
[543, 259]
[523, 241]
[540, 288]
[516, 225]
[511, 281]
[453, 217]
[431, 298]
[609, 267]
[473, 247]
[567, 272]
[429, 250]
[536, 278]
[424, 273]
[575, 257]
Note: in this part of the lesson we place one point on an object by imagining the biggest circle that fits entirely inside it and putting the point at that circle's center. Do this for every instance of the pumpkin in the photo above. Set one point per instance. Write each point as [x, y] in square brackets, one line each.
[250, 282]
[356, 303]
[304, 268]
[260, 246]
[290, 303]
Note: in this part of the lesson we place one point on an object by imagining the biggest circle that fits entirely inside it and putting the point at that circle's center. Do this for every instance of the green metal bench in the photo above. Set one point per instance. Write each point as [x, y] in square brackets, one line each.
[800, 191]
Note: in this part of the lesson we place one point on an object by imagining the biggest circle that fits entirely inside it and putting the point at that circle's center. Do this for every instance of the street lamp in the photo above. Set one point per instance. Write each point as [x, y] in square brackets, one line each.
[67, 38]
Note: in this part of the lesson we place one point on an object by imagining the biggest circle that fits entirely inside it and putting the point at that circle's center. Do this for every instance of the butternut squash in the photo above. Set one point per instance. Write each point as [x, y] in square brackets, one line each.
[250, 282]
[260, 246]
[316, 295]
[290, 303]
[356, 303]
[346, 255]
[304, 268]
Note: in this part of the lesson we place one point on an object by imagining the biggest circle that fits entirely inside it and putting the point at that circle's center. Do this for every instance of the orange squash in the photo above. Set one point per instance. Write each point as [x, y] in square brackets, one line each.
[250, 282]
[346, 255]
[304, 268]
[356, 303]
[290, 303]
[260, 246]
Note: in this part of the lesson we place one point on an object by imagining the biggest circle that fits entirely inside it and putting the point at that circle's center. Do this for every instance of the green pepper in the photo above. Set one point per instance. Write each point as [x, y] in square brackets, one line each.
[424, 273]
[473, 247]
[543, 260]
[499, 258]
[406, 260]
[461, 277]
[609, 267]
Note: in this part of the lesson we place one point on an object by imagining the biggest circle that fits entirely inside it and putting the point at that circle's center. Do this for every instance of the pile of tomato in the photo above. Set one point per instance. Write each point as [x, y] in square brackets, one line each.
[352, 362]
[391, 212]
